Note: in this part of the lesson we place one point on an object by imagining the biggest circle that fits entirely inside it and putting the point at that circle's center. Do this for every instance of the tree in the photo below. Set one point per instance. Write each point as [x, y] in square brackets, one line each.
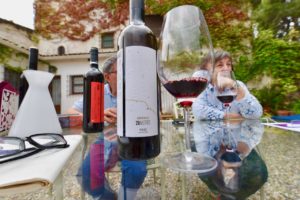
[278, 16]
[276, 54]
[81, 19]
[78, 19]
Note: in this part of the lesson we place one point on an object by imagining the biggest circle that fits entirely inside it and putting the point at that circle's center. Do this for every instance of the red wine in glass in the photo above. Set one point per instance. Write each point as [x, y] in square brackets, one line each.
[226, 87]
[186, 88]
[226, 99]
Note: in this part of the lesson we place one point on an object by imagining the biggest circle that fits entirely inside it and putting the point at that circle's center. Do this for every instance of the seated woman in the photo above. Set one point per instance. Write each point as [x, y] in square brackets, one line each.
[208, 107]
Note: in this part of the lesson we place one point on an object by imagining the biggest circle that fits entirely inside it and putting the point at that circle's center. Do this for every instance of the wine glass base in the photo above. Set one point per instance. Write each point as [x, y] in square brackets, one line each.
[189, 162]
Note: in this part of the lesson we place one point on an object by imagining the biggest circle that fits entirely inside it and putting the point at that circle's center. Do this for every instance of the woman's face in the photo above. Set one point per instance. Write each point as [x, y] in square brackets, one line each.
[224, 64]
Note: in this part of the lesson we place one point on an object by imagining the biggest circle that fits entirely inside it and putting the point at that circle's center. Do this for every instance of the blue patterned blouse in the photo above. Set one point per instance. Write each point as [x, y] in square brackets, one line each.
[207, 106]
[209, 135]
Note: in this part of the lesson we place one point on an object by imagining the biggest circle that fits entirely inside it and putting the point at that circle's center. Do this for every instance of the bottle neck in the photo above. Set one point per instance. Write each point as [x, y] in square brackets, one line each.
[33, 58]
[33, 65]
[94, 65]
[137, 12]
[94, 57]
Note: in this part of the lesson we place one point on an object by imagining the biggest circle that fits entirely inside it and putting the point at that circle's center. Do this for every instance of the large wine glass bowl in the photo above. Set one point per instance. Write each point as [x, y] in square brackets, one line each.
[184, 42]
[184, 45]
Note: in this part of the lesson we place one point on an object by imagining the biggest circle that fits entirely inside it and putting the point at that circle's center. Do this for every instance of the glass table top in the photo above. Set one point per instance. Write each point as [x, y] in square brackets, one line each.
[254, 162]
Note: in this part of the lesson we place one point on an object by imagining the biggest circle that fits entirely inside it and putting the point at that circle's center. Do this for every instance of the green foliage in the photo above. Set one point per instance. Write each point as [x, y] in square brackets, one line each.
[242, 67]
[5, 53]
[14, 69]
[255, 3]
[34, 38]
[21, 55]
[163, 6]
[184, 61]
[275, 56]
[269, 15]
[296, 106]
[280, 60]
[230, 29]
[229, 37]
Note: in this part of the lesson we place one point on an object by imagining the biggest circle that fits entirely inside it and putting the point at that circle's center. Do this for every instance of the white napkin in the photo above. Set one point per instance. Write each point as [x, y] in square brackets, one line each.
[40, 170]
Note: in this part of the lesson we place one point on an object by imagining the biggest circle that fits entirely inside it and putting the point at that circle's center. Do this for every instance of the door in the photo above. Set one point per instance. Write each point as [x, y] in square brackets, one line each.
[55, 92]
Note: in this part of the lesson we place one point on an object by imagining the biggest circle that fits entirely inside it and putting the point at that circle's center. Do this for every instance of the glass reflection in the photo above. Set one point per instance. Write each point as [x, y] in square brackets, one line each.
[241, 171]
[103, 157]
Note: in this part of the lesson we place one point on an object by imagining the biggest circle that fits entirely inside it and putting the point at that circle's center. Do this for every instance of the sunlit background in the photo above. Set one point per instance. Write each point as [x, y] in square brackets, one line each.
[19, 11]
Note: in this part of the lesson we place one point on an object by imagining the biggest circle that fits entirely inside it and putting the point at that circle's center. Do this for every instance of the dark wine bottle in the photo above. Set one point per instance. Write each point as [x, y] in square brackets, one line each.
[93, 96]
[33, 62]
[138, 113]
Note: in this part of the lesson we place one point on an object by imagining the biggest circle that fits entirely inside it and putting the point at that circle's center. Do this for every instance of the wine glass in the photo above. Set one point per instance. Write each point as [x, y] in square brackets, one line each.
[184, 44]
[226, 86]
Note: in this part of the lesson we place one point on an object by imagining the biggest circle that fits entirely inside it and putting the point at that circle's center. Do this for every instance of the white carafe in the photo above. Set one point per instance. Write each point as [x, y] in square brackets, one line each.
[36, 113]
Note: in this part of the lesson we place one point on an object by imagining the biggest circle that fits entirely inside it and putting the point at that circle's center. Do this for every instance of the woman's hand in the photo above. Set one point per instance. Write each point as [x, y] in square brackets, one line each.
[110, 115]
[225, 82]
[233, 116]
[240, 93]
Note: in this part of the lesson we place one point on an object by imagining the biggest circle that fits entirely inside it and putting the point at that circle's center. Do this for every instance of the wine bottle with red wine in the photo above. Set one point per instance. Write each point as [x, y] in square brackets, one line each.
[93, 96]
[137, 102]
[33, 63]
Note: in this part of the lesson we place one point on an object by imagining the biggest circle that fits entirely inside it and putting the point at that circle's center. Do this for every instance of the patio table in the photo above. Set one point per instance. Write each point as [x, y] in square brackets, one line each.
[269, 167]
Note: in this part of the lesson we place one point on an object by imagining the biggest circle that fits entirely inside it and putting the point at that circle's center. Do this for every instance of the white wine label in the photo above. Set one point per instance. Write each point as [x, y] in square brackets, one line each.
[140, 92]
[120, 93]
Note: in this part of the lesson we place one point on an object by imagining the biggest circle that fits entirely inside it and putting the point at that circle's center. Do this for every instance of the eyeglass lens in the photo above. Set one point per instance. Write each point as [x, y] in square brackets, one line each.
[10, 146]
[48, 140]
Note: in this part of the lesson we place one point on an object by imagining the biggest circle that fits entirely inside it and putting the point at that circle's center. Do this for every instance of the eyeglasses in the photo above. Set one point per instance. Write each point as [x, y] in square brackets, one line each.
[14, 148]
[113, 72]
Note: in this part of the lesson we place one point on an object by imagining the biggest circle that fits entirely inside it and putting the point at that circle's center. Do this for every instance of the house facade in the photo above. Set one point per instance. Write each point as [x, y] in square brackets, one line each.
[67, 59]
[71, 61]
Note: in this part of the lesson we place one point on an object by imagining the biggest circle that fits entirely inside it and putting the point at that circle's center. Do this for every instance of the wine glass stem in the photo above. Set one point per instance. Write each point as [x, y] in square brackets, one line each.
[186, 111]
[226, 112]
[226, 107]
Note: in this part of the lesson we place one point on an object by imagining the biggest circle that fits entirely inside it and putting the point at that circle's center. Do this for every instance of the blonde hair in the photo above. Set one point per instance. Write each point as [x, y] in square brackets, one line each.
[219, 54]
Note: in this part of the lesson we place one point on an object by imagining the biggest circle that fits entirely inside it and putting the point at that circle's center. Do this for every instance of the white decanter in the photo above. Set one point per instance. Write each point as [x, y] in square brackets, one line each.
[36, 113]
